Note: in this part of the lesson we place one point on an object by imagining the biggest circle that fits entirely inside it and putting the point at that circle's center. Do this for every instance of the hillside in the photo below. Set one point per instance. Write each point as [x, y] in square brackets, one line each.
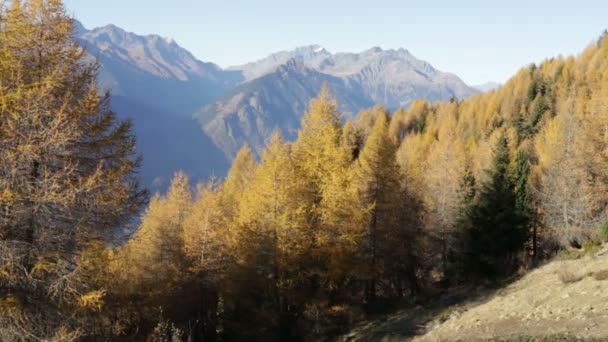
[546, 304]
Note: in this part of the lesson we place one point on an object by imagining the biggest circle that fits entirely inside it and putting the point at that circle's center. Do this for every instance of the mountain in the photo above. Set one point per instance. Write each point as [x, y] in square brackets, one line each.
[393, 78]
[278, 88]
[169, 144]
[158, 85]
[155, 70]
[487, 86]
[195, 116]
[276, 101]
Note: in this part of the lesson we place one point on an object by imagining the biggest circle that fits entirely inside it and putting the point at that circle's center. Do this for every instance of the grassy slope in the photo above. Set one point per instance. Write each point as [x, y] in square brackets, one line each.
[538, 307]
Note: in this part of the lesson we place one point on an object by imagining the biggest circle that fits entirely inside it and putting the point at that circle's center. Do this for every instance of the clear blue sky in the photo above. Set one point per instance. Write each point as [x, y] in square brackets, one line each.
[483, 40]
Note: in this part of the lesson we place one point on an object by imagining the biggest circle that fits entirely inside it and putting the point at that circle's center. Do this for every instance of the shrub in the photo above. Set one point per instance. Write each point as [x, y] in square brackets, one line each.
[589, 247]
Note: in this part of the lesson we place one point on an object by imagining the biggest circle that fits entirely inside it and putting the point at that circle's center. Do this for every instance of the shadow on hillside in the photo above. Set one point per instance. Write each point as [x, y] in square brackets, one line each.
[416, 319]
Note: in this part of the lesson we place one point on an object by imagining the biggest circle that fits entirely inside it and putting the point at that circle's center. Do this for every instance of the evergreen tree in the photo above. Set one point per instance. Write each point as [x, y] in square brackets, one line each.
[523, 198]
[495, 227]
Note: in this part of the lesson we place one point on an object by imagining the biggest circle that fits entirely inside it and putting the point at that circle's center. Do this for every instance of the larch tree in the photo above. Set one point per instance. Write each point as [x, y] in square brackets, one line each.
[323, 176]
[67, 171]
[272, 238]
[566, 189]
[208, 246]
[156, 248]
[379, 178]
[239, 176]
[445, 166]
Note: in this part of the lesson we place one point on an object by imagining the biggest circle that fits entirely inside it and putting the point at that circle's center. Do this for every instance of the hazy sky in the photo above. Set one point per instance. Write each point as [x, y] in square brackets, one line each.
[480, 41]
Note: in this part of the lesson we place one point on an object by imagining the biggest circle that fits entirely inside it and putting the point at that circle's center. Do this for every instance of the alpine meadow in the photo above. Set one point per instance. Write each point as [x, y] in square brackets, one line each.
[146, 195]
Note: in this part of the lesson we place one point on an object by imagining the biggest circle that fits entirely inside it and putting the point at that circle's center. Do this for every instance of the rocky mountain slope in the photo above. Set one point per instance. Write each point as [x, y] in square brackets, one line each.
[393, 78]
[276, 101]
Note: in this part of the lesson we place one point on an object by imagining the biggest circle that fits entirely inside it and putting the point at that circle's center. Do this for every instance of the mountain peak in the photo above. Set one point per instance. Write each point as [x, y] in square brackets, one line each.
[151, 54]
[310, 48]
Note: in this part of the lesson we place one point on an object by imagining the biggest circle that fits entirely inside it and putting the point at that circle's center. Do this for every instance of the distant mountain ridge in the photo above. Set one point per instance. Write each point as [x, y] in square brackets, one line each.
[175, 98]
[278, 88]
[155, 70]
[393, 78]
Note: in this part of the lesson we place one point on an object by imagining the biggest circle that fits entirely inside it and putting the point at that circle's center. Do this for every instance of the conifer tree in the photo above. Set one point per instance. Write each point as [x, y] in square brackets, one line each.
[240, 175]
[466, 195]
[207, 243]
[272, 241]
[496, 228]
[379, 178]
[322, 172]
[156, 248]
[67, 170]
[523, 198]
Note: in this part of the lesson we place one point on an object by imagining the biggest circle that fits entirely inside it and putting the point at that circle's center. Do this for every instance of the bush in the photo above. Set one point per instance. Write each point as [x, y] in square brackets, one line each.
[589, 247]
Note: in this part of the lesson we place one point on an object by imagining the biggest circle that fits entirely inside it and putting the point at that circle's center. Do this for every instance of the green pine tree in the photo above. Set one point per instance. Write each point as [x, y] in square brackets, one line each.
[495, 227]
[523, 198]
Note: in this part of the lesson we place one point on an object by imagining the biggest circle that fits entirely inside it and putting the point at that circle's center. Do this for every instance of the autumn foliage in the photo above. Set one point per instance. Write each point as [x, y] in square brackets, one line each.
[297, 245]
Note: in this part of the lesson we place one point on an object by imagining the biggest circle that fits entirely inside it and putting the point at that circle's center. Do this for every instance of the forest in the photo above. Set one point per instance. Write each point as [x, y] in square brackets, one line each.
[349, 219]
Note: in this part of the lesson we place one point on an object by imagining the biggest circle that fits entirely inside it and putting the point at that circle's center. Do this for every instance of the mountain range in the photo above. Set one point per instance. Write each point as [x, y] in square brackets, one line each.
[195, 116]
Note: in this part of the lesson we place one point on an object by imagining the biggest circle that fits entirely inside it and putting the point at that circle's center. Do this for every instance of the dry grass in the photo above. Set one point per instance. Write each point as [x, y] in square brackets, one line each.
[549, 303]
[601, 275]
[538, 307]
[566, 276]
